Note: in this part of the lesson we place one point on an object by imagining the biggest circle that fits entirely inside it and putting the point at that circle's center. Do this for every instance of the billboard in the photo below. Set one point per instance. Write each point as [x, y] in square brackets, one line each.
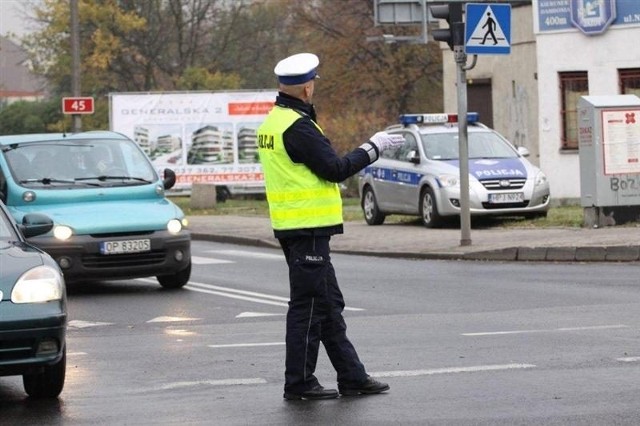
[205, 137]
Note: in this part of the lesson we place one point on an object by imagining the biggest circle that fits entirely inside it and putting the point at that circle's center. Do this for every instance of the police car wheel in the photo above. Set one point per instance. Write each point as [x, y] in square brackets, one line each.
[429, 209]
[372, 213]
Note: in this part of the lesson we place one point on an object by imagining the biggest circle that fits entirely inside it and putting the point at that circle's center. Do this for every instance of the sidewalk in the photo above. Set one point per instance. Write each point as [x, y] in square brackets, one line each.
[412, 240]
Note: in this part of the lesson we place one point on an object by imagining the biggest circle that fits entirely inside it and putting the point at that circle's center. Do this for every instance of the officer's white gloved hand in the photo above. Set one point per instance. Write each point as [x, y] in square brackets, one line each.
[380, 142]
[383, 140]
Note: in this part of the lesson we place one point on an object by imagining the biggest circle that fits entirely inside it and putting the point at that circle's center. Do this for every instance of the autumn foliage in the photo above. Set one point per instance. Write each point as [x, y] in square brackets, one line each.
[168, 45]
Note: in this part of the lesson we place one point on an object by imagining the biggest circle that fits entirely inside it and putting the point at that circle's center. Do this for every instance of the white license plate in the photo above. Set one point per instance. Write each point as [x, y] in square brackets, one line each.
[126, 246]
[506, 197]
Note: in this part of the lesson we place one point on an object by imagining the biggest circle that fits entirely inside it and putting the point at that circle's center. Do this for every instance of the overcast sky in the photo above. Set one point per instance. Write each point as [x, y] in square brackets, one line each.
[11, 18]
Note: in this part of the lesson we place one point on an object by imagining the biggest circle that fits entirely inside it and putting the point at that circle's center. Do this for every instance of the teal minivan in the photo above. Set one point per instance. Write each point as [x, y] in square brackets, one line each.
[111, 217]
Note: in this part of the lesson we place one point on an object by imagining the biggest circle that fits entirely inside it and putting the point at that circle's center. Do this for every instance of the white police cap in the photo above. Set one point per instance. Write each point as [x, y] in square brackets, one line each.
[297, 69]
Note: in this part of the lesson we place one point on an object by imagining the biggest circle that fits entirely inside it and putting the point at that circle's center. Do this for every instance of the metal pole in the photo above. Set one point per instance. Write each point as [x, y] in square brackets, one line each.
[425, 22]
[75, 62]
[463, 145]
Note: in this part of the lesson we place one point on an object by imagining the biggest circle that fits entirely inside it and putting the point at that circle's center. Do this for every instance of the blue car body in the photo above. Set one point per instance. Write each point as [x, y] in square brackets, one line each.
[32, 326]
[111, 217]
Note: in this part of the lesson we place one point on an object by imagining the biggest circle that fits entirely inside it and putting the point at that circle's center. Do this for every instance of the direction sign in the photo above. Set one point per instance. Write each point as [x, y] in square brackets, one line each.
[77, 105]
[593, 17]
[488, 29]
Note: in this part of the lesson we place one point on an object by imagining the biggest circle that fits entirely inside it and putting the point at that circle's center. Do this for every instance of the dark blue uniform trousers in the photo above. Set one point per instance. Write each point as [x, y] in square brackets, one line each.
[315, 315]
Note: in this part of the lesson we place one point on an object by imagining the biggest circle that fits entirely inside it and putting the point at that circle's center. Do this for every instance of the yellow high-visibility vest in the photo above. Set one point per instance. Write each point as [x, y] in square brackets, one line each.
[297, 197]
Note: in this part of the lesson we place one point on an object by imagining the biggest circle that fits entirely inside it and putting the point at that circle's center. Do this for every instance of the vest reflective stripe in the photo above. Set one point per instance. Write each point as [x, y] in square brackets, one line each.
[297, 197]
[283, 197]
[310, 213]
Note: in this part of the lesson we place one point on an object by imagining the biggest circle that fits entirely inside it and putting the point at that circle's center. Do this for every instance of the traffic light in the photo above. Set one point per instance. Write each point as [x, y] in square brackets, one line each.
[452, 12]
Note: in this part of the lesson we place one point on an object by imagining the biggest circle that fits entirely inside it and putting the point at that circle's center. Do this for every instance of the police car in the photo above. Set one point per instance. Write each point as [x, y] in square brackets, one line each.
[422, 177]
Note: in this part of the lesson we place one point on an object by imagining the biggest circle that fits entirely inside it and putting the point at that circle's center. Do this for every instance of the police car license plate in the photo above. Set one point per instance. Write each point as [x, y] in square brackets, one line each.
[506, 197]
[126, 246]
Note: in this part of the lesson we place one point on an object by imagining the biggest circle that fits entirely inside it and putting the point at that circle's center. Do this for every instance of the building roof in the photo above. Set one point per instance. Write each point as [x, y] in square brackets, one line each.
[16, 79]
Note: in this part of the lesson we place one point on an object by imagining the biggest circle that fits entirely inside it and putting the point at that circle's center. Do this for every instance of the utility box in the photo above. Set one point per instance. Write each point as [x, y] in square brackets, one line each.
[609, 141]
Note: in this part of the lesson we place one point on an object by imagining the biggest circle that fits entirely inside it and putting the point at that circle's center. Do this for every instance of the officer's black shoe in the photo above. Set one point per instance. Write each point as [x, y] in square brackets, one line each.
[316, 392]
[368, 387]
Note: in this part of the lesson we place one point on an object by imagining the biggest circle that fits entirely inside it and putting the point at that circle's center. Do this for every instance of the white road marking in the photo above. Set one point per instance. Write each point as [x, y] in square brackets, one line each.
[249, 296]
[246, 345]
[595, 327]
[256, 314]
[408, 373]
[629, 359]
[76, 353]
[473, 369]
[173, 319]
[197, 260]
[234, 294]
[252, 254]
[86, 324]
[222, 382]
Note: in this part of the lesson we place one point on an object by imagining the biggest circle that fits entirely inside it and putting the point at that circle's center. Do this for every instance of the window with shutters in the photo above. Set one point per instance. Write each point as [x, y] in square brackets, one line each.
[629, 81]
[573, 85]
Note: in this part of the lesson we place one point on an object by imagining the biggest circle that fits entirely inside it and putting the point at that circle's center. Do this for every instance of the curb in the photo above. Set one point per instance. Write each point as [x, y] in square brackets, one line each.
[527, 254]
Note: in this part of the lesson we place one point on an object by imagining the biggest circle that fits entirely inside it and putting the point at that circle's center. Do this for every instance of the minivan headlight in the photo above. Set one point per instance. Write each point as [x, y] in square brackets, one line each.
[447, 181]
[37, 285]
[62, 232]
[174, 226]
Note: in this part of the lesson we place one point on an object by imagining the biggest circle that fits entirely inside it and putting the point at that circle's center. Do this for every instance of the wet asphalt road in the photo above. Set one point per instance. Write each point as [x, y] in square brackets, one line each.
[460, 343]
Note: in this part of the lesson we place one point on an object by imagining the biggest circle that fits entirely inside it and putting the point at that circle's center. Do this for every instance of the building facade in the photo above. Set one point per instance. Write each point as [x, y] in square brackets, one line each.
[17, 82]
[560, 50]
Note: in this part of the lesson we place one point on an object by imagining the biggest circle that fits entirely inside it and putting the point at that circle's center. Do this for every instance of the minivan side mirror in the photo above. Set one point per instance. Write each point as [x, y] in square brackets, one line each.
[169, 179]
[34, 224]
[523, 151]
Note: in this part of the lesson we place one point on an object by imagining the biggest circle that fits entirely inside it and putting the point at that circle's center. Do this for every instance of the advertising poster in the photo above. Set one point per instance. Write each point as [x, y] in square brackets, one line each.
[205, 137]
[621, 141]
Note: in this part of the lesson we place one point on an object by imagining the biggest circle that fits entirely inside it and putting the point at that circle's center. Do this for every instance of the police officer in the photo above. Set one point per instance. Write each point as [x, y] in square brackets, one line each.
[302, 172]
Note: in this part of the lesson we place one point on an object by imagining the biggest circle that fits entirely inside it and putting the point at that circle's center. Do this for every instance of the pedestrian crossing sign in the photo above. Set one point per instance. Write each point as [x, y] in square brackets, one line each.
[488, 29]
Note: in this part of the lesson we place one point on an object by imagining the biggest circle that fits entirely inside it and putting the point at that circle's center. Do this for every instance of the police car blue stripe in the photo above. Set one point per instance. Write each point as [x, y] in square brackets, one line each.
[391, 175]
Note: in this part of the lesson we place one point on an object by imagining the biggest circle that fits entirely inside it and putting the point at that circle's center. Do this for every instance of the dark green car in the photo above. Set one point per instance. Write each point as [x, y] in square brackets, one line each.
[33, 311]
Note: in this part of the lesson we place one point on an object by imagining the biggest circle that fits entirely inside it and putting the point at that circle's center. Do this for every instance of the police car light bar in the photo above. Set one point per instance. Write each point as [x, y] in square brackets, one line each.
[406, 119]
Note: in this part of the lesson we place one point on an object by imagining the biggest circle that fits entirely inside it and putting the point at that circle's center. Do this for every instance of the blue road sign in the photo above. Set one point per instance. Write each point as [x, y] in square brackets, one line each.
[488, 29]
[593, 17]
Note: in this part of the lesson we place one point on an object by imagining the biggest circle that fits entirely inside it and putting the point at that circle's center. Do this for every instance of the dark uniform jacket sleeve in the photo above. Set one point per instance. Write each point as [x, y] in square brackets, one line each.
[307, 145]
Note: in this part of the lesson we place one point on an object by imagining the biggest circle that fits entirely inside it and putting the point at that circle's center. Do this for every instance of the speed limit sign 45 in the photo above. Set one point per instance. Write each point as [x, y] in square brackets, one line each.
[77, 105]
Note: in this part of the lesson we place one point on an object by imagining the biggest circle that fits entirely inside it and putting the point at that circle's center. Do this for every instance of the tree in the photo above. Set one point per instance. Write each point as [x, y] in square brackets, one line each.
[164, 45]
[126, 45]
[366, 84]
[200, 79]
[29, 117]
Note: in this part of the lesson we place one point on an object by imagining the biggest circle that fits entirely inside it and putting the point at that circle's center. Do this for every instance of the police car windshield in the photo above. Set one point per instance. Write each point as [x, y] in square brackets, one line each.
[444, 146]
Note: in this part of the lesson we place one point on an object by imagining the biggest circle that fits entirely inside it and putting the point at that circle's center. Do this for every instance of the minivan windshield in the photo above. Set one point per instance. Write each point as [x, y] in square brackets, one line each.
[81, 163]
[444, 146]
